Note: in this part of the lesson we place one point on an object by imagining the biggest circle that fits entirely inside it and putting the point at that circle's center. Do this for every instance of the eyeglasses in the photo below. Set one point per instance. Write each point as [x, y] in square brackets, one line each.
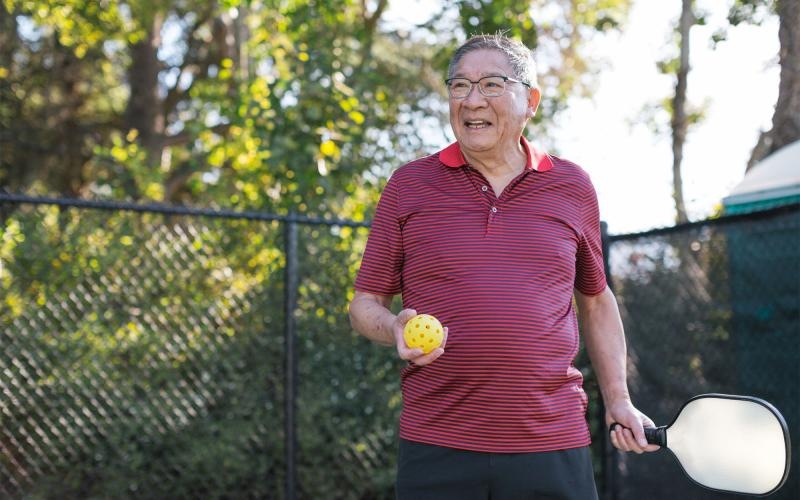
[490, 86]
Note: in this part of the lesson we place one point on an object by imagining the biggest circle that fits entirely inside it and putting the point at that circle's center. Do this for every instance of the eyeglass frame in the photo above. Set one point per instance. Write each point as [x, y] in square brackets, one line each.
[480, 86]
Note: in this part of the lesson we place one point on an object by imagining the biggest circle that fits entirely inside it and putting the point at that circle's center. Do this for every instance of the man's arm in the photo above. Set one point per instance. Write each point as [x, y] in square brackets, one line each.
[370, 316]
[604, 338]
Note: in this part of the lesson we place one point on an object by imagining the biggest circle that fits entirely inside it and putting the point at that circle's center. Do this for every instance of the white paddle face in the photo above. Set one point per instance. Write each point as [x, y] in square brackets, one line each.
[730, 444]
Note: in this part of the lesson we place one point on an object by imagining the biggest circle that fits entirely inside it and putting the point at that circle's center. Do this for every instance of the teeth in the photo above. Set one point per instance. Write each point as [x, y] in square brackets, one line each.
[477, 123]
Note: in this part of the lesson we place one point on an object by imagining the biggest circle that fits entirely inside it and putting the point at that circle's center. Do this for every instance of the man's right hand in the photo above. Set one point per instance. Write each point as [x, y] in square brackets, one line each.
[415, 355]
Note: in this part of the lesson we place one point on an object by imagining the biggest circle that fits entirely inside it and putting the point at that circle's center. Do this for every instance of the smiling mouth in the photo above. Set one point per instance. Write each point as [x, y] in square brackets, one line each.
[477, 124]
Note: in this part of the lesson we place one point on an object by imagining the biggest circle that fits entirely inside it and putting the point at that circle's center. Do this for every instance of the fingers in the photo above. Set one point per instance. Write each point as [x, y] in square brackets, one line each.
[627, 425]
[638, 435]
[646, 422]
[407, 353]
[626, 439]
[400, 322]
[429, 358]
[405, 315]
[416, 355]
[623, 439]
[432, 356]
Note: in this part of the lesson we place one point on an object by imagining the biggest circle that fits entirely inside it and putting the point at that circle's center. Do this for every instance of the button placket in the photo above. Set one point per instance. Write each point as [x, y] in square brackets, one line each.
[490, 220]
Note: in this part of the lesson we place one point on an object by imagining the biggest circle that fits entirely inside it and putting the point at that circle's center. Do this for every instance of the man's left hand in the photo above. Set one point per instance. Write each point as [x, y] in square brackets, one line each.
[629, 435]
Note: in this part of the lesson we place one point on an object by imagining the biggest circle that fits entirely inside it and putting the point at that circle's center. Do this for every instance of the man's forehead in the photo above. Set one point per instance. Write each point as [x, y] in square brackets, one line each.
[482, 63]
[482, 72]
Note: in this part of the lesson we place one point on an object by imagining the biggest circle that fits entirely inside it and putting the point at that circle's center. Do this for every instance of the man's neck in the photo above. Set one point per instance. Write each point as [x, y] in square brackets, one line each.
[505, 164]
[499, 170]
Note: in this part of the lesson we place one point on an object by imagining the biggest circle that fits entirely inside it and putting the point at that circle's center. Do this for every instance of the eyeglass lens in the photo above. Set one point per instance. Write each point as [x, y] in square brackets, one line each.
[490, 86]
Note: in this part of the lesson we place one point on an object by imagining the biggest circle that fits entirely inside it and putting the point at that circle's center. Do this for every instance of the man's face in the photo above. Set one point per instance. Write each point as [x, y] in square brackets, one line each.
[487, 124]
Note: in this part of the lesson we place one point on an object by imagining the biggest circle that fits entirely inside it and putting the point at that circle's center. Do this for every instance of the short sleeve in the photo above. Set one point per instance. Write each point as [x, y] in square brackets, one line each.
[590, 277]
[382, 263]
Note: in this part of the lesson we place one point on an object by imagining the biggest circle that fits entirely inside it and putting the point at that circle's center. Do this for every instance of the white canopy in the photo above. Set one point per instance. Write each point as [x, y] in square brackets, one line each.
[776, 176]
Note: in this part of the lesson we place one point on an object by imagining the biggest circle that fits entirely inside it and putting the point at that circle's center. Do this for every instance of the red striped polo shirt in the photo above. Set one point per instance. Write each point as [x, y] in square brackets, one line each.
[499, 273]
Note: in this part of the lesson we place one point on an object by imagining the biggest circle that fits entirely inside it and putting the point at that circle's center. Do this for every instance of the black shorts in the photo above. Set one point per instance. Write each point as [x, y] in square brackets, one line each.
[427, 472]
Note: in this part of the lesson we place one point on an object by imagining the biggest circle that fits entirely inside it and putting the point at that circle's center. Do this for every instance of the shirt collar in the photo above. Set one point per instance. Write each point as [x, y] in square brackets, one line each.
[537, 160]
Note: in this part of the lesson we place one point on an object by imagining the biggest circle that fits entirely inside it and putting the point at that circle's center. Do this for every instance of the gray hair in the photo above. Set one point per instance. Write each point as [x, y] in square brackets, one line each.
[519, 56]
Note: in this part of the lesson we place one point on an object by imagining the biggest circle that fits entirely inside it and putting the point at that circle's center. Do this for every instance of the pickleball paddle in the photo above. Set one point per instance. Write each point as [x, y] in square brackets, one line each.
[733, 444]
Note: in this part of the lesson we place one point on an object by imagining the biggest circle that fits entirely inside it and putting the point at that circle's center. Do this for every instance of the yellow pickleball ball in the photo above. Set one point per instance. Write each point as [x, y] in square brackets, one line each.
[423, 331]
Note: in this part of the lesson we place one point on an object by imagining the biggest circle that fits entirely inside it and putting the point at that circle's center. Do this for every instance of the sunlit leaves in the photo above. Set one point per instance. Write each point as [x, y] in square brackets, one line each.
[750, 11]
[279, 105]
[329, 148]
[80, 25]
[558, 30]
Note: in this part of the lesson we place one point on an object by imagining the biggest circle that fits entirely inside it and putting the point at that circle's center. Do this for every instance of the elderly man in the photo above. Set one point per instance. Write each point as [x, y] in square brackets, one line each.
[494, 238]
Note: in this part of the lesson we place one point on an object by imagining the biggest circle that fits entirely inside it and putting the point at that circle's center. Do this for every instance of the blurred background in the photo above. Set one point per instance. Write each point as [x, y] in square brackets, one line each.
[185, 190]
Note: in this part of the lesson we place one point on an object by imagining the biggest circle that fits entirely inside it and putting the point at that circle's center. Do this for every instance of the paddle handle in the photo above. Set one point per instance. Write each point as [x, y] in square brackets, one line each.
[654, 435]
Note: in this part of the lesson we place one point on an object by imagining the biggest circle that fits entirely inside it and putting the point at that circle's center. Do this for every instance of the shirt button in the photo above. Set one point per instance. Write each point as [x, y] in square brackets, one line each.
[494, 209]
[484, 188]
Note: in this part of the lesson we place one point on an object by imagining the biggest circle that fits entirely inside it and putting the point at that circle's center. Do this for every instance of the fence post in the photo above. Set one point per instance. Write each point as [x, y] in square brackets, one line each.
[609, 457]
[290, 353]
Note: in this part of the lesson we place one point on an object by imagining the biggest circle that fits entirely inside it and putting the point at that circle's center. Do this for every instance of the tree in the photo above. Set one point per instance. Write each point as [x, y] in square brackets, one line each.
[676, 109]
[680, 120]
[786, 119]
[259, 106]
[49, 125]
[786, 125]
[253, 105]
[557, 30]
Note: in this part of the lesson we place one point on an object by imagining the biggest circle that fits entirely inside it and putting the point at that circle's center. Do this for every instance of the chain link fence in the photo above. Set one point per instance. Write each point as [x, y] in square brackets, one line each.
[708, 307]
[144, 356]
[145, 353]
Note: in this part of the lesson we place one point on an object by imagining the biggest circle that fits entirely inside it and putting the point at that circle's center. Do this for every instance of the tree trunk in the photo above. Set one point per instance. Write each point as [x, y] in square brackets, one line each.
[70, 151]
[786, 119]
[8, 38]
[11, 172]
[144, 111]
[241, 34]
[679, 119]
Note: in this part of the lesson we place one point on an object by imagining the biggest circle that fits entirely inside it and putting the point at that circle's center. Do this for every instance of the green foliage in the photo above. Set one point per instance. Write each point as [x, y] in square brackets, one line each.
[557, 30]
[751, 11]
[266, 106]
[144, 357]
[350, 389]
[484, 16]
[258, 105]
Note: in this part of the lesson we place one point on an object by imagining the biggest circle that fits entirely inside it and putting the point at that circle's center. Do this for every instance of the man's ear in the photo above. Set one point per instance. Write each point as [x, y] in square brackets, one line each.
[534, 98]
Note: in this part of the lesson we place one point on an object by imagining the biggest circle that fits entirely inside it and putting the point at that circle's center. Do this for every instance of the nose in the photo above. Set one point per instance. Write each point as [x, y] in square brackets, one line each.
[474, 98]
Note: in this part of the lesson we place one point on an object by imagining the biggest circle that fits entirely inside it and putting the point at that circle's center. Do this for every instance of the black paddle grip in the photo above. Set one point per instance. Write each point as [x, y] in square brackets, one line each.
[656, 435]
